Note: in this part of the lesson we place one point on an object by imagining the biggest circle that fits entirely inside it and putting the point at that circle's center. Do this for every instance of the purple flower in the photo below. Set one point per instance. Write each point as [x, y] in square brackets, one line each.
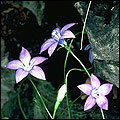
[89, 47]
[58, 37]
[27, 65]
[96, 93]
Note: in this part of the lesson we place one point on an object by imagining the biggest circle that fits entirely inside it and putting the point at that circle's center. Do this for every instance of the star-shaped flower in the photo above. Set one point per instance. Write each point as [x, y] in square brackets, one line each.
[58, 37]
[26, 65]
[96, 93]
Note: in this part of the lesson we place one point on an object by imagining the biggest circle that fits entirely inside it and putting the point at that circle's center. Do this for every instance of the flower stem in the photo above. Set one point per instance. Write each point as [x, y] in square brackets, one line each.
[69, 112]
[54, 113]
[102, 114]
[20, 102]
[40, 97]
[67, 48]
[70, 105]
[40, 106]
[68, 74]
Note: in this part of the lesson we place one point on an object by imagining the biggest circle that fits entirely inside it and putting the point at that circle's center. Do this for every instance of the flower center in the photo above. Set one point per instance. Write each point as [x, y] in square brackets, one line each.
[56, 35]
[27, 67]
[95, 93]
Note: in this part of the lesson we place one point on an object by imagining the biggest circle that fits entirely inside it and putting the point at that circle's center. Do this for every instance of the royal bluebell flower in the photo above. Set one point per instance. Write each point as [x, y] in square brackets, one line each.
[58, 38]
[26, 65]
[96, 93]
[89, 47]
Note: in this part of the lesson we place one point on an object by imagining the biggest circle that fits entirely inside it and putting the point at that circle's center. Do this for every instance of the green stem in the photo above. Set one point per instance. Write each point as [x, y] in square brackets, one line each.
[56, 106]
[54, 113]
[20, 102]
[41, 108]
[67, 48]
[73, 70]
[102, 113]
[68, 54]
[66, 85]
[75, 100]
[70, 105]
[69, 112]
[40, 96]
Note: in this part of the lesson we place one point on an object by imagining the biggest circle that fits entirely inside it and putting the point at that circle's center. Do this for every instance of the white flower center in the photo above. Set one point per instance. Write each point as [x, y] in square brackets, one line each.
[56, 35]
[95, 93]
[27, 67]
